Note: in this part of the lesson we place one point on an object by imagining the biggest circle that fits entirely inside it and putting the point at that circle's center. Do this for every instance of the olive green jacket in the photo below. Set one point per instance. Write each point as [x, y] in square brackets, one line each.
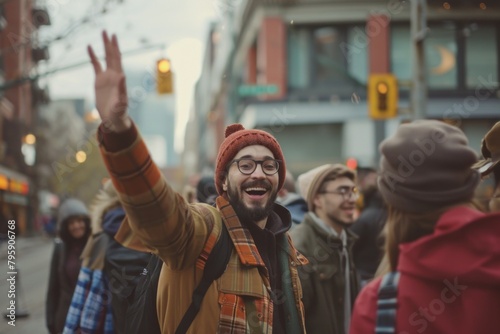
[323, 280]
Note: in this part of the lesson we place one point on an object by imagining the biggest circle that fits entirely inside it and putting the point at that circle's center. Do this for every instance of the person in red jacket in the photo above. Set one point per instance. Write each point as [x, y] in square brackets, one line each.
[446, 251]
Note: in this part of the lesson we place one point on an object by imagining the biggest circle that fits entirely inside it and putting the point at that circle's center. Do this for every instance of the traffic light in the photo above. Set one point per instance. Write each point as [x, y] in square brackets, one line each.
[383, 96]
[164, 82]
[352, 163]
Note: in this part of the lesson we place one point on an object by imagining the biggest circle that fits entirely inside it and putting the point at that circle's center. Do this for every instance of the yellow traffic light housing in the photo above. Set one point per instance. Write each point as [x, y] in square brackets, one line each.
[383, 96]
[164, 76]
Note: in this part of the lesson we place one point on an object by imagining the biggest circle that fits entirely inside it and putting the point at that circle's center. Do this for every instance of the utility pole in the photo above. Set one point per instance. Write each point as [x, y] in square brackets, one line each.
[419, 31]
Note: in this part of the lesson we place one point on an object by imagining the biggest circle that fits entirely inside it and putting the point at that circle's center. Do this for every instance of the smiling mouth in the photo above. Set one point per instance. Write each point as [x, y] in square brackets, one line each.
[256, 191]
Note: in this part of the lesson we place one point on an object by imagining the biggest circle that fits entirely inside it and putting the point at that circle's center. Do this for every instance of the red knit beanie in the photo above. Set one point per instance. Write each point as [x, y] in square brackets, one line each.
[237, 138]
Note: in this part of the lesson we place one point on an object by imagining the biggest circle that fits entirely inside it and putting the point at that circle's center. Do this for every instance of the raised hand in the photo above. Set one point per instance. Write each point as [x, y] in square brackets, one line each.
[110, 89]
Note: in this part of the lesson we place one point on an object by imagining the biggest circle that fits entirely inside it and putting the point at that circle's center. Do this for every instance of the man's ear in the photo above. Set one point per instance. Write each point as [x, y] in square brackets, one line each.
[224, 184]
[317, 201]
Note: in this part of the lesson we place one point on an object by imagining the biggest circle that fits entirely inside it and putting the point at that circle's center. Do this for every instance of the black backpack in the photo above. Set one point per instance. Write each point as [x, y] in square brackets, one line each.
[141, 312]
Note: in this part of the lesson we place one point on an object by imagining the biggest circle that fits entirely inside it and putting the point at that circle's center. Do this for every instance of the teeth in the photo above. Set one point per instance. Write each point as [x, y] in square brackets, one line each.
[255, 189]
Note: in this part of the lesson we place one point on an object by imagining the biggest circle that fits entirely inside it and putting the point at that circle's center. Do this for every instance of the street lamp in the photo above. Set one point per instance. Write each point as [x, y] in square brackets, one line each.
[80, 157]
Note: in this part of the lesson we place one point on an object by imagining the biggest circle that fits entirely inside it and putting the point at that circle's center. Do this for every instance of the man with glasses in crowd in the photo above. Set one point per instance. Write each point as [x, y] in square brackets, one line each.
[329, 282]
[259, 291]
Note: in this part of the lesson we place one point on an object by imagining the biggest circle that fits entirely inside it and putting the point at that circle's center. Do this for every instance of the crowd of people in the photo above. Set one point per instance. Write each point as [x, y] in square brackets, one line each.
[417, 256]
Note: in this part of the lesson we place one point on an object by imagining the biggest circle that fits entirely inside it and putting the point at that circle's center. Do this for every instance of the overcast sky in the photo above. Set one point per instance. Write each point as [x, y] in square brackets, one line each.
[180, 26]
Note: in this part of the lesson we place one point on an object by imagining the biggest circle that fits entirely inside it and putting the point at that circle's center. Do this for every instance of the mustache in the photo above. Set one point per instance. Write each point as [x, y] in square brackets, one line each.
[257, 183]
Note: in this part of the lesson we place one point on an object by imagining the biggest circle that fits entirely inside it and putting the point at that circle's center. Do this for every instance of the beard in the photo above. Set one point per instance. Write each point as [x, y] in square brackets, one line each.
[343, 223]
[253, 214]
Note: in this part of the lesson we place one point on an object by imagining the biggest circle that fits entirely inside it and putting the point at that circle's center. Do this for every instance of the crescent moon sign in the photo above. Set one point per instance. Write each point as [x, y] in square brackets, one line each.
[448, 61]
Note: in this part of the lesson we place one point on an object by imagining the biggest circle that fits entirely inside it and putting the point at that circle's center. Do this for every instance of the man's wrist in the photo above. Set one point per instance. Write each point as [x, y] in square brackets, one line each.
[114, 141]
[117, 126]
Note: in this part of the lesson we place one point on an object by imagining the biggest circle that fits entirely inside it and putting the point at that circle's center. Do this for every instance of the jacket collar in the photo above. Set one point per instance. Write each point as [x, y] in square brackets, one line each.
[241, 236]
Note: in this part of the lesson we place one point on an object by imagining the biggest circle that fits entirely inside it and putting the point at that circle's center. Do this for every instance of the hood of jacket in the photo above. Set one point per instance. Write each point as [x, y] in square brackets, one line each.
[472, 250]
[112, 220]
[71, 207]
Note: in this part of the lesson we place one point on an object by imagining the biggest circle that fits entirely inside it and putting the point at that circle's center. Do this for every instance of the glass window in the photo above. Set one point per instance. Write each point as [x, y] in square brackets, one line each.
[441, 57]
[299, 58]
[481, 56]
[356, 54]
[329, 61]
[401, 52]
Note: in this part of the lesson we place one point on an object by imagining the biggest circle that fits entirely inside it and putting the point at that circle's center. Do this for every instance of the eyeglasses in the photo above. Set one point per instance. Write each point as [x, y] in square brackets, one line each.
[346, 193]
[247, 166]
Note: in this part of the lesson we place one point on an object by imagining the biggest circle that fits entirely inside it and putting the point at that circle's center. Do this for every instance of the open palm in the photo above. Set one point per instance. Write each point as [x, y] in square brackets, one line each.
[110, 89]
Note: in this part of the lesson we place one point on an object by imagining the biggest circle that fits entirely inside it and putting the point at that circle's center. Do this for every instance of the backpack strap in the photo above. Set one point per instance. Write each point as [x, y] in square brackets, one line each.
[387, 303]
[214, 267]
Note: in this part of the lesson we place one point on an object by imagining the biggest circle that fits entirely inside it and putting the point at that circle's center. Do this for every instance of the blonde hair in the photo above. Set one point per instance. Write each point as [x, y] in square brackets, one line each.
[107, 198]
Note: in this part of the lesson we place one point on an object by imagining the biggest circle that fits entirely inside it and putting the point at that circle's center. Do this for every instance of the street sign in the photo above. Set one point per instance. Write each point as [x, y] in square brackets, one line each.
[255, 90]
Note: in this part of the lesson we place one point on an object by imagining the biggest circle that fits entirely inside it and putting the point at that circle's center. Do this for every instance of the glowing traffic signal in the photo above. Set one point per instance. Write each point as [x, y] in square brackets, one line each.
[352, 163]
[164, 77]
[383, 96]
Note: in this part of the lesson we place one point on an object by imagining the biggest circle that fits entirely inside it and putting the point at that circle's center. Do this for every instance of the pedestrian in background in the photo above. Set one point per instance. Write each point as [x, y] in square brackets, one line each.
[73, 230]
[446, 252]
[489, 165]
[329, 282]
[368, 248]
[290, 199]
[100, 298]
[206, 191]
[260, 289]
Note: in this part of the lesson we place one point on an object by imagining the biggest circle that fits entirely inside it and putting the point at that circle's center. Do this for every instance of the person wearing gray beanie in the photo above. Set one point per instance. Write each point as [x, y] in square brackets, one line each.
[73, 222]
[444, 253]
[427, 165]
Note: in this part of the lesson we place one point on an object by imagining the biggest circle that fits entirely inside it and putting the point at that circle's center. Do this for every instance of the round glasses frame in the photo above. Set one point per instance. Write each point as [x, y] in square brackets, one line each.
[250, 170]
[347, 194]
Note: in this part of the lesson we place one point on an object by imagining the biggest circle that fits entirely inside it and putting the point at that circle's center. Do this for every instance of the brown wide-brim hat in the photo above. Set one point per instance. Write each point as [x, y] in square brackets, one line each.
[490, 149]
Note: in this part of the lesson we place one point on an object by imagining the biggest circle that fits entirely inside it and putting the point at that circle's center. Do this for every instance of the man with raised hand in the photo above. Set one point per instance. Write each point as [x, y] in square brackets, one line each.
[260, 290]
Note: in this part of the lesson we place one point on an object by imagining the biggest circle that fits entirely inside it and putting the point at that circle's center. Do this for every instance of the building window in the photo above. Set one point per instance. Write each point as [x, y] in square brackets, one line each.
[481, 56]
[401, 52]
[329, 62]
[357, 54]
[323, 57]
[445, 64]
[441, 57]
[299, 58]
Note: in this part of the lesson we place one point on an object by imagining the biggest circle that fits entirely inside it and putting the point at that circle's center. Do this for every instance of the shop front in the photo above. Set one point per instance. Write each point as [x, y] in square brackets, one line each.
[14, 200]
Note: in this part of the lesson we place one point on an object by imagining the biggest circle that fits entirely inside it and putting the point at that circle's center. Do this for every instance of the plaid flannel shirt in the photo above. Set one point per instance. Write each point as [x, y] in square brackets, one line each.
[90, 310]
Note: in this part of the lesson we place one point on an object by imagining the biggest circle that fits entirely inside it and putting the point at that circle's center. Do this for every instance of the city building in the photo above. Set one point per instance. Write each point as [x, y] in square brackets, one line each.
[300, 69]
[20, 98]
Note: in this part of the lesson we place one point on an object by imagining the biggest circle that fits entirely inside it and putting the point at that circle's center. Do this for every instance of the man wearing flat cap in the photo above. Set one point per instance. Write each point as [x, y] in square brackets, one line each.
[260, 291]
[329, 281]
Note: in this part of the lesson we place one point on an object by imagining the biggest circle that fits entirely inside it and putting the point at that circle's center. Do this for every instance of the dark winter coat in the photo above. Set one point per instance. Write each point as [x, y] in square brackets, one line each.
[61, 287]
[322, 279]
[368, 249]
